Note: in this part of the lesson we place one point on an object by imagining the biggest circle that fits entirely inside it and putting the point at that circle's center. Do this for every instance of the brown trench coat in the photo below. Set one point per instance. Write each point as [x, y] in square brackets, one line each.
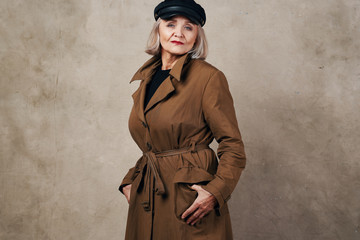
[191, 107]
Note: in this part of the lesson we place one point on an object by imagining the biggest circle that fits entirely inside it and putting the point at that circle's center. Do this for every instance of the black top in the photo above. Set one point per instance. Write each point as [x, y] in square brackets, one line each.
[157, 79]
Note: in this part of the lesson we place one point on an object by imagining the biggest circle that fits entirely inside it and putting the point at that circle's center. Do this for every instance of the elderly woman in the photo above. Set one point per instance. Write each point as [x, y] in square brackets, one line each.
[178, 189]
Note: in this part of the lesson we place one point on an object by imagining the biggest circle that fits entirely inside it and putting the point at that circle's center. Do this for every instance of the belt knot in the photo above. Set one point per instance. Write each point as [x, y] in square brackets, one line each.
[152, 170]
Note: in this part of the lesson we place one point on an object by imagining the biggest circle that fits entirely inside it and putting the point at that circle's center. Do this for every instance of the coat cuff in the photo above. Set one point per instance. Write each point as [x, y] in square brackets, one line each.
[221, 192]
[128, 179]
[123, 184]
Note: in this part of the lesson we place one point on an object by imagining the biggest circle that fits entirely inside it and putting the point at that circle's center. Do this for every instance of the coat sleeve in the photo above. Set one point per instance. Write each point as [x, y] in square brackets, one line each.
[219, 114]
[130, 176]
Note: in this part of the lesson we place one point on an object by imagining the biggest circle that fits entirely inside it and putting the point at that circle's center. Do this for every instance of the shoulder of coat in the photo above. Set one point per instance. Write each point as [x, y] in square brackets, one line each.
[204, 65]
[205, 69]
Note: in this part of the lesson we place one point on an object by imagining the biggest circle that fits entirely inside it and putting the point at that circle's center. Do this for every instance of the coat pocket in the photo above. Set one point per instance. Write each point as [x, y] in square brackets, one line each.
[134, 187]
[183, 179]
[137, 183]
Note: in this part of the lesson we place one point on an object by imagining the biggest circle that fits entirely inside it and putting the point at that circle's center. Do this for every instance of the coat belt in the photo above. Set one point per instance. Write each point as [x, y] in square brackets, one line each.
[151, 169]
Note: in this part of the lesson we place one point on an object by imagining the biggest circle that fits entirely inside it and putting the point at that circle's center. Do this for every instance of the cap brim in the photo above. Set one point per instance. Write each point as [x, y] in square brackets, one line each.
[167, 16]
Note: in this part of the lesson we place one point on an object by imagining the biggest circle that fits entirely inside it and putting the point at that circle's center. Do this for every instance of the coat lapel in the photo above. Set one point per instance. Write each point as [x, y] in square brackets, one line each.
[162, 92]
[139, 102]
[145, 74]
[167, 86]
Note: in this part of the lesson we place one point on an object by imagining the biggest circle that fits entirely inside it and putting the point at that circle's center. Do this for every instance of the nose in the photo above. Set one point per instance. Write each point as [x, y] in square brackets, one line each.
[178, 32]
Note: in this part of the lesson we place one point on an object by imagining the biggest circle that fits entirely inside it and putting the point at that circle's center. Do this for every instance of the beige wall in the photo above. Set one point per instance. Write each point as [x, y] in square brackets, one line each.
[293, 69]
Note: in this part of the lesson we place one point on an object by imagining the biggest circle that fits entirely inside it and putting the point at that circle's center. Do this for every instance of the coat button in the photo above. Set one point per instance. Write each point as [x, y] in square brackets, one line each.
[144, 124]
[148, 146]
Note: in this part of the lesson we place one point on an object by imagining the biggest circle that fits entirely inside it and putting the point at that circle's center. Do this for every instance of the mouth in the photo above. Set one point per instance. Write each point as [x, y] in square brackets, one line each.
[177, 42]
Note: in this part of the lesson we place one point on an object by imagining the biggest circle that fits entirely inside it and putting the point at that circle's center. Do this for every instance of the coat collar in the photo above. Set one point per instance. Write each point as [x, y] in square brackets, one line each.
[145, 74]
[146, 70]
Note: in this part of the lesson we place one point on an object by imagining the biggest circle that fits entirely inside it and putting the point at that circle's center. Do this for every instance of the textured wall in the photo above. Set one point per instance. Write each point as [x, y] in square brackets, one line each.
[293, 69]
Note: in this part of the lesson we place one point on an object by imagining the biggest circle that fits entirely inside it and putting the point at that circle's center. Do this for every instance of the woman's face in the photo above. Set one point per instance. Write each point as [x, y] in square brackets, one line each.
[177, 35]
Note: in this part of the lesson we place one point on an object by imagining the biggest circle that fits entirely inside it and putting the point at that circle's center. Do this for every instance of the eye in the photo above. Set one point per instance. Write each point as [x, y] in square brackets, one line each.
[188, 28]
[170, 25]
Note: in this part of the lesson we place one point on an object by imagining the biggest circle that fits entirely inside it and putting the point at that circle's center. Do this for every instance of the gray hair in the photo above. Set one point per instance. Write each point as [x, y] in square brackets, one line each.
[199, 51]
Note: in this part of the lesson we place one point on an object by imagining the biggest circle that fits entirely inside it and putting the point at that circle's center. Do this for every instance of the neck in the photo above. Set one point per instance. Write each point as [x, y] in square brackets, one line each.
[168, 60]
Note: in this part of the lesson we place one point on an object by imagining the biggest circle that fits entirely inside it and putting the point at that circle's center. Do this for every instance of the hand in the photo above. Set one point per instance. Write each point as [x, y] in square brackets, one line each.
[203, 204]
[126, 190]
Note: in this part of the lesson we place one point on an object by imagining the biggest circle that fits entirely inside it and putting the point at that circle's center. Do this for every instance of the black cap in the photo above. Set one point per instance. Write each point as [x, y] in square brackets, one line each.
[187, 8]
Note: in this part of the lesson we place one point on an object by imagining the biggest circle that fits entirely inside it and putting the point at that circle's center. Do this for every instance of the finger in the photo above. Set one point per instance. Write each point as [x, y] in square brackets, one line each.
[194, 217]
[195, 187]
[198, 218]
[190, 210]
[202, 214]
